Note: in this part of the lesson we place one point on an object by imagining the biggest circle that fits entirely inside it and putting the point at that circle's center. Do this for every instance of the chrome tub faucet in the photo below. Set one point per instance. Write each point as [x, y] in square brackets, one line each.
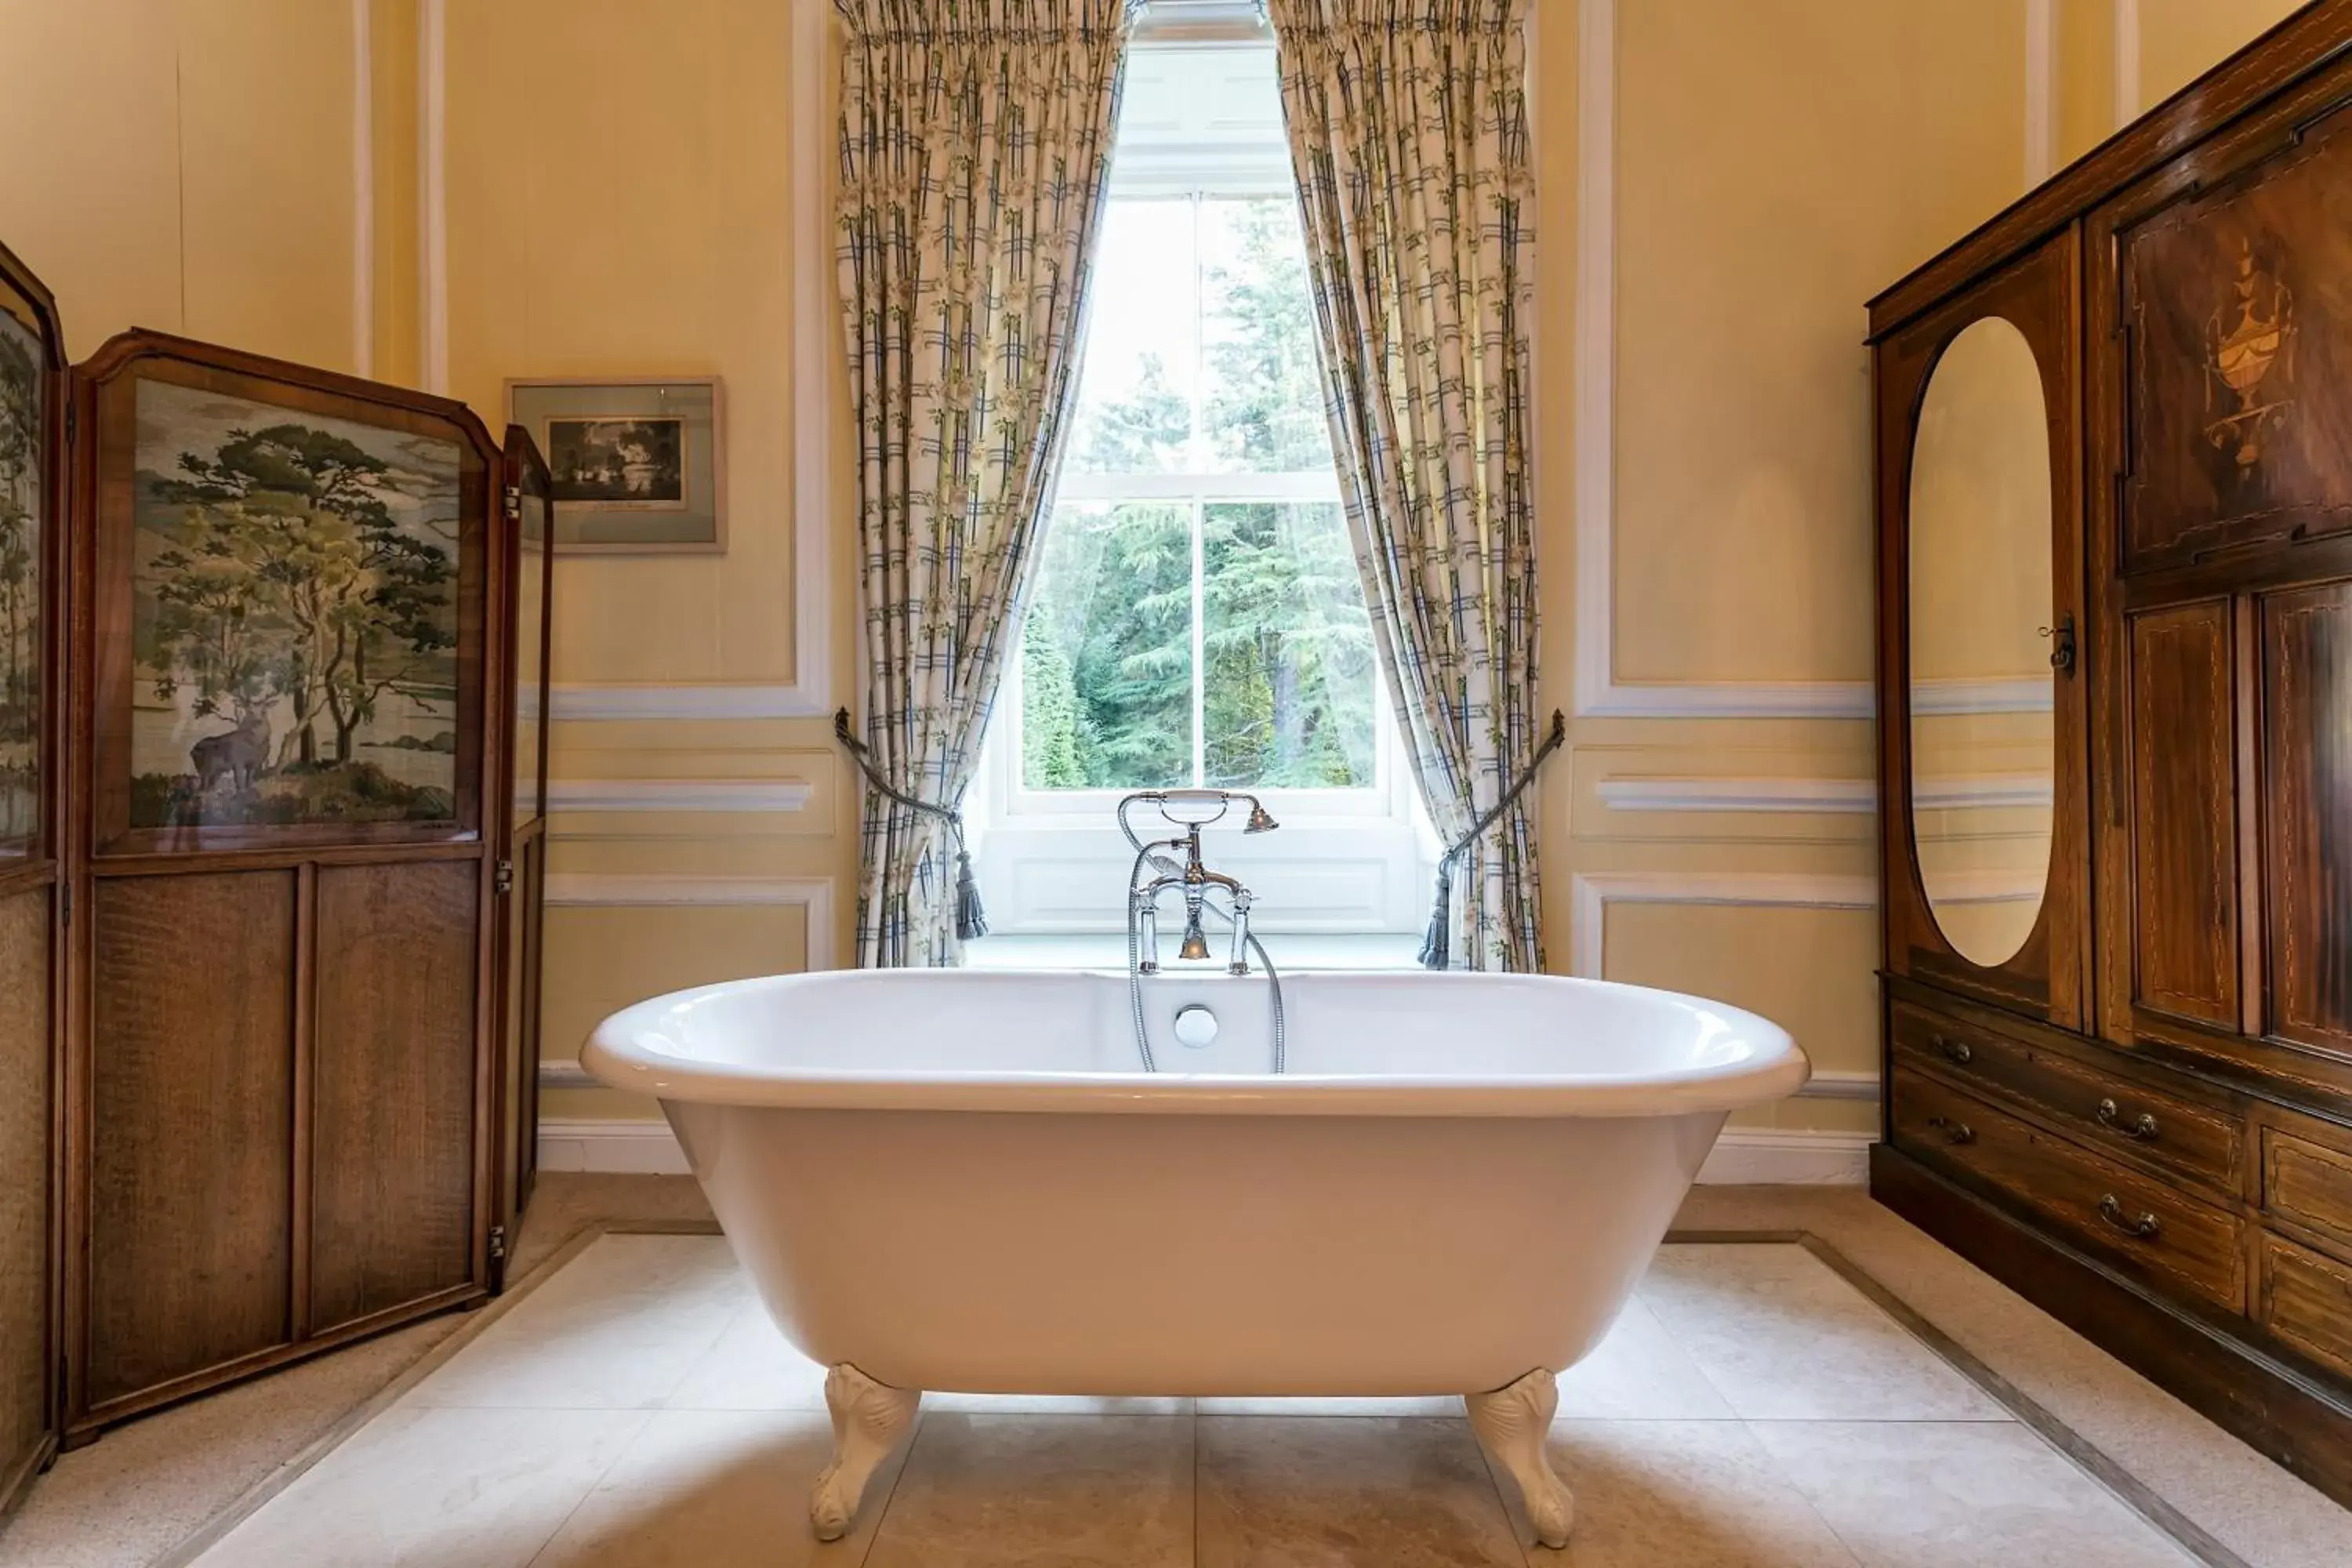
[1190, 810]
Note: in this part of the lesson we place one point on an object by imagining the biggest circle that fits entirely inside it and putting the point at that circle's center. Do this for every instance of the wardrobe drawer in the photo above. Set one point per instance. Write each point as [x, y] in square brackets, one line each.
[2134, 1219]
[2307, 1302]
[2197, 1143]
[2308, 1183]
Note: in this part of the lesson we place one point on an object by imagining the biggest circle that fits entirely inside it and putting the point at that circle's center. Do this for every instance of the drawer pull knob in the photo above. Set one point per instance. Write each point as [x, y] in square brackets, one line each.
[1955, 1050]
[2146, 1224]
[2140, 1129]
[1953, 1132]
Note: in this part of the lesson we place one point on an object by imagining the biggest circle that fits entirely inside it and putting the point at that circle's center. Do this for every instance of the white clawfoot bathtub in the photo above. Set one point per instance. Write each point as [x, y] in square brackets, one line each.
[959, 1179]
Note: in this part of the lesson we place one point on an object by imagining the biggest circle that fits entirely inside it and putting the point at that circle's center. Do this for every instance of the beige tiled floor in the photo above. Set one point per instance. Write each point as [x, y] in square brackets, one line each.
[636, 1411]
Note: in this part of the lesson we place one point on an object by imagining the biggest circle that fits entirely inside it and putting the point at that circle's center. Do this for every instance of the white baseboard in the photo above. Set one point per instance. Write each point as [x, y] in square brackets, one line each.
[628, 1148]
[1788, 1157]
[1742, 1156]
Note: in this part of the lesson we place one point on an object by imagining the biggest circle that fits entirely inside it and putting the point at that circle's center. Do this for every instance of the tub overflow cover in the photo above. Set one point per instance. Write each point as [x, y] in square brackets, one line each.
[1195, 1025]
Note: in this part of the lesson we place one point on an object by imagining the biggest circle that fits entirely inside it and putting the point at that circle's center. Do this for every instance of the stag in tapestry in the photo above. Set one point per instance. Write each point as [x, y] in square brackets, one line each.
[294, 605]
[21, 376]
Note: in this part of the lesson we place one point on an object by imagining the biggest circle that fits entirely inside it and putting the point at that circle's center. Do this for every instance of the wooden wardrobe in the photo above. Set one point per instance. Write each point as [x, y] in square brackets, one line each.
[2114, 459]
[269, 943]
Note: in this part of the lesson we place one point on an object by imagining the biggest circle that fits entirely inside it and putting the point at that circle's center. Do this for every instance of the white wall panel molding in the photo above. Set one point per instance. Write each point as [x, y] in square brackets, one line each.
[815, 894]
[1599, 693]
[679, 795]
[2041, 90]
[2028, 694]
[816, 338]
[2128, 62]
[433, 191]
[363, 187]
[1827, 1084]
[1986, 792]
[1992, 886]
[1591, 894]
[574, 701]
[577, 890]
[1828, 797]
[1824, 797]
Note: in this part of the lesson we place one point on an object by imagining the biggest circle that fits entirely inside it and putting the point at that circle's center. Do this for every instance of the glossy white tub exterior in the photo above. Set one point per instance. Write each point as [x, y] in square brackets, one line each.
[961, 1180]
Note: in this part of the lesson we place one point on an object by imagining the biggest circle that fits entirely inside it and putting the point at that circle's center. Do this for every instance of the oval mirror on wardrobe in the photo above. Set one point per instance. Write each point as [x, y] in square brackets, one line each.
[1981, 692]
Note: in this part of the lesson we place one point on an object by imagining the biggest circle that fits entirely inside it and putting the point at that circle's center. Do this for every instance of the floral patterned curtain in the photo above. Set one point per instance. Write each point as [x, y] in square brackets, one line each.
[975, 138]
[1407, 131]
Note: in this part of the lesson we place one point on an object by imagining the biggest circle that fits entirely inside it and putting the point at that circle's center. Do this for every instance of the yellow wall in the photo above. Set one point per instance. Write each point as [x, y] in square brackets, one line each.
[625, 206]
[1775, 165]
[2177, 41]
[2181, 40]
[185, 165]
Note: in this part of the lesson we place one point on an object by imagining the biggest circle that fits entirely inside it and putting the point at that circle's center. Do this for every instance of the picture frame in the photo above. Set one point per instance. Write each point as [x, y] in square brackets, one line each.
[637, 463]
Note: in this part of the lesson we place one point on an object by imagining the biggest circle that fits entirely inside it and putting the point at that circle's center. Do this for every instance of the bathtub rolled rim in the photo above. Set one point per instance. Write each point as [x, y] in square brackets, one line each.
[626, 1052]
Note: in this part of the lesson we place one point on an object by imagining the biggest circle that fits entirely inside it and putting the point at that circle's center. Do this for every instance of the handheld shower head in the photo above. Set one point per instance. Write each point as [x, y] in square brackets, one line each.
[1260, 820]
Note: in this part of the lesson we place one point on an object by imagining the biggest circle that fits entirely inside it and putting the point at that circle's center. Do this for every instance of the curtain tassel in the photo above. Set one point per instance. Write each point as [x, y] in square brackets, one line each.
[1436, 943]
[971, 917]
[1435, 947]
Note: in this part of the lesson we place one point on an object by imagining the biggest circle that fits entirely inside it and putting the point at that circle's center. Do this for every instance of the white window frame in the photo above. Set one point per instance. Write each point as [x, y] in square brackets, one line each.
[1345, 861]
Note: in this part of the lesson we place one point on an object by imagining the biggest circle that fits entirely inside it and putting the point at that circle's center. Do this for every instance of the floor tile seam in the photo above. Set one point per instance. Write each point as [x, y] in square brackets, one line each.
[645, 1424]
[1977, 1422]
[655, 1409]
[1797, 1490]
[1192, 1435]
[1698, 1362]
[2137, 1496]
[890, 1494]
[1503, 1501]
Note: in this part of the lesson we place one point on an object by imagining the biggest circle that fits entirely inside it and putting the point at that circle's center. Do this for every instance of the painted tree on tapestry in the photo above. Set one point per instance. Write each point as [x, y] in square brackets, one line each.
[295, 616]
[20, 580]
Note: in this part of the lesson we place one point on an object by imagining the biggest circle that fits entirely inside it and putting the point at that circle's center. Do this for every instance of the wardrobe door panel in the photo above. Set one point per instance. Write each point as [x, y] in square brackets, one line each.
[24, 1163]
[1981, 605]
[2183, 831]
[393, 1146]
[191, 1115]
[2306, 804]
[2240, 388]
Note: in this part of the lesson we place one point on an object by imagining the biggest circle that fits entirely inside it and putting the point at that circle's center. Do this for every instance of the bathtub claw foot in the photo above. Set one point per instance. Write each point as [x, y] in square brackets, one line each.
[868, 1419]
[1511, 1424]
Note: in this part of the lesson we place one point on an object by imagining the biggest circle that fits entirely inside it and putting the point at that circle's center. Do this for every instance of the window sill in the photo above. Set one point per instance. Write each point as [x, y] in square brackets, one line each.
[1293, 953]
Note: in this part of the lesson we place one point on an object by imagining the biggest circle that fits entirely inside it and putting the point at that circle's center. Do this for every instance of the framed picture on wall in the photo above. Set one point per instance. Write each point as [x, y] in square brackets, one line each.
[635, 461]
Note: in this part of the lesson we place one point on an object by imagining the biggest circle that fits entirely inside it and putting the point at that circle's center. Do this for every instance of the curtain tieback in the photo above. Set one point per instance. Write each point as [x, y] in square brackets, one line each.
[1435, 946]
[972, 919]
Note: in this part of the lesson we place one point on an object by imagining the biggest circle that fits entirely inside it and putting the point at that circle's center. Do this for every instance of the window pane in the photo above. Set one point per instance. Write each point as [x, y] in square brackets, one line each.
[1135, 387]
[1107, 653]
[1288, 694]
[1261, 390]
